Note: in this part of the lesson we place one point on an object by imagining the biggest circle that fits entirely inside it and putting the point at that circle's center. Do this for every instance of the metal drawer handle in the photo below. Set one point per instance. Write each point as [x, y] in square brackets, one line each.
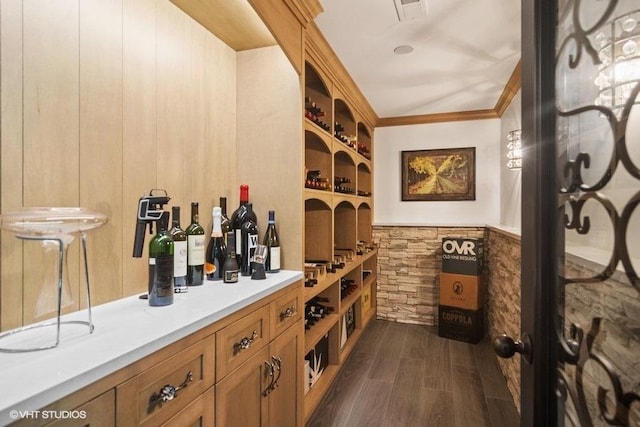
[289, 312]
[169, 392]
[269, 388]
[245, 342]
[277, 361]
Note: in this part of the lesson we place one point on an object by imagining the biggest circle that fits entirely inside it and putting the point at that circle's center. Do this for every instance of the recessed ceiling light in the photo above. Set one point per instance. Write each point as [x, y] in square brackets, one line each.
[403, 49]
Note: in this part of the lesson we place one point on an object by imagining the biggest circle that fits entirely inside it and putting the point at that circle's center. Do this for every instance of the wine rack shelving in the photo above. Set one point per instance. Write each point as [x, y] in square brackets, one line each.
[337, 228]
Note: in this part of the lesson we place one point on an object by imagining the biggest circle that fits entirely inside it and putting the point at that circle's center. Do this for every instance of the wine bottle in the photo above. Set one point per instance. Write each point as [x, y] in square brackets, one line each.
[230, 268]
[225, 223]
[249, 236]
[161, 265]
[216, 248]
[272, 242]
[195, 249]
[239, 216]
[179, 237]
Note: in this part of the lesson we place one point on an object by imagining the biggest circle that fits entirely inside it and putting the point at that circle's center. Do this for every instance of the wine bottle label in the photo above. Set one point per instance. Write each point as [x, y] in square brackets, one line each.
[195, 249]
[179, 259]
[274, 258]
[231, 276]
[238, 242]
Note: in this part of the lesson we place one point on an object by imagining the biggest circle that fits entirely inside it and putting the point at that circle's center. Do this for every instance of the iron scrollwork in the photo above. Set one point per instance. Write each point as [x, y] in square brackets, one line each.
[577, 349]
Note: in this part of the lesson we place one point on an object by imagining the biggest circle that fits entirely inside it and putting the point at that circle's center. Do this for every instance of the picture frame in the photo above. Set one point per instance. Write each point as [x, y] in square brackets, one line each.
[439, 175]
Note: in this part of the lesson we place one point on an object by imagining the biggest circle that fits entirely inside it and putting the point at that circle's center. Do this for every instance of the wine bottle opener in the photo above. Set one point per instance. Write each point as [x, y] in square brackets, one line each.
[150, 209]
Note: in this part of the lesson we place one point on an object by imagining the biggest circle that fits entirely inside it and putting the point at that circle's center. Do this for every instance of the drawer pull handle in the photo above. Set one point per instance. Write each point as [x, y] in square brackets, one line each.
[269, 388]
[169, 392]
[289, 312]
[245, 342]
[277, 361]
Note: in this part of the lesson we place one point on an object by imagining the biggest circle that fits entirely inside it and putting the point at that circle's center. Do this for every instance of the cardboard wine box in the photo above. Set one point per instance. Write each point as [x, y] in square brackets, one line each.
[460, 324]
[462, 255]
[366, 298]
[461, 290]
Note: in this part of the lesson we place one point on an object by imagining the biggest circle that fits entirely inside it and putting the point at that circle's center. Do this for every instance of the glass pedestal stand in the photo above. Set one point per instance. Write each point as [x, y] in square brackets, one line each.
[53, 225]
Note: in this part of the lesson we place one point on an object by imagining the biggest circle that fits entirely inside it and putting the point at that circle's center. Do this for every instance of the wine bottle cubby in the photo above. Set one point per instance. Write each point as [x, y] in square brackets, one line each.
[340, 261]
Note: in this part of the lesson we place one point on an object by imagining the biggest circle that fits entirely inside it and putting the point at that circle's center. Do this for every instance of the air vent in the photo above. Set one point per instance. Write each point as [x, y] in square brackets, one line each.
[410, 9]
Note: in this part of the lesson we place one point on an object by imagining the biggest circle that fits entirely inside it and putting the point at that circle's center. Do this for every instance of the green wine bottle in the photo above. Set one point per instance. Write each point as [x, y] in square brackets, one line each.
[195, 249]
[161, 265]
[179, 237]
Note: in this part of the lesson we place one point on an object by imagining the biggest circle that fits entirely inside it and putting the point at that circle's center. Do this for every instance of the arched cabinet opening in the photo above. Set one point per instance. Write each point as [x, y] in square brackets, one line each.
[344, 173]
[317, 162]
[364, 180]
[344, 231]
[318, 220]
[317, 99]
[344, 129]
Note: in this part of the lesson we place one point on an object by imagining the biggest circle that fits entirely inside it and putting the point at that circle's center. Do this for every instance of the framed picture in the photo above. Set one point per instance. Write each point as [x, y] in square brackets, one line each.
[445, 174]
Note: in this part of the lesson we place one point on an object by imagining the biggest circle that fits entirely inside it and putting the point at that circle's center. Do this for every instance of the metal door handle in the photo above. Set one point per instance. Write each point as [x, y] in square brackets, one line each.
[505, 347]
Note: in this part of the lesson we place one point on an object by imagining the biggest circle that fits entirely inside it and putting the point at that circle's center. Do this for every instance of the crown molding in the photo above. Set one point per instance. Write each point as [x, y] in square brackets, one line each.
[305, 10]
[437, 118]
[509, 92]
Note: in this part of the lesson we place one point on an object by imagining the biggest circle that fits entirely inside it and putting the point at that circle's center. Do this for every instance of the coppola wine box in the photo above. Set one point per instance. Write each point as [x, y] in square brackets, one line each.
[461, 290]
[348, 324]
[460, 324]
[462, 255]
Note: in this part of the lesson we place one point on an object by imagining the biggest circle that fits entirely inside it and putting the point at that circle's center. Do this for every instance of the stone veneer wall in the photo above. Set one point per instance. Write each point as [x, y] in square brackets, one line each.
[409, 261]
[502, 300]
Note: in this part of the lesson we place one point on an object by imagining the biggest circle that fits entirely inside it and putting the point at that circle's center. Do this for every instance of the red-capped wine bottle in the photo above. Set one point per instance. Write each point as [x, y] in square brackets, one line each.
[239, 216]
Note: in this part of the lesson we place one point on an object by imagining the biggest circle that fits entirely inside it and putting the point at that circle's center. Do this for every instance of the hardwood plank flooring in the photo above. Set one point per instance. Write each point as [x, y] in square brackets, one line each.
[406, 375]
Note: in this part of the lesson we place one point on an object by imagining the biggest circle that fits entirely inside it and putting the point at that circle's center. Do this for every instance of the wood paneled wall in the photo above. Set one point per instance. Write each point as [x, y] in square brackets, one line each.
[103, 100]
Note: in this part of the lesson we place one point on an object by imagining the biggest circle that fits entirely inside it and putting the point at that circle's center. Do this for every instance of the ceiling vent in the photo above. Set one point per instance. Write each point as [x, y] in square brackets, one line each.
[410, 9]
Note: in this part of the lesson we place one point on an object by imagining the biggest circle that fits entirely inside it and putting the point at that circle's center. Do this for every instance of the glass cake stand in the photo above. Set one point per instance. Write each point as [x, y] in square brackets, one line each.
[58, 225]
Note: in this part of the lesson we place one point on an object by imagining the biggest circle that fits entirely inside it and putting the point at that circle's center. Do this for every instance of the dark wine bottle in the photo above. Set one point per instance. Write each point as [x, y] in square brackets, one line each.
[272, 242]
[179, 237]
[225, 223]
[249, 236]
[216, 249]
[161, 265]
[195, 249]
[230, 269]
[238, 218]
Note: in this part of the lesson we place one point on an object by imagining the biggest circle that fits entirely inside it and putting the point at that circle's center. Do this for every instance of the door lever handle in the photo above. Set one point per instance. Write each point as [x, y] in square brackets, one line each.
[505, 347]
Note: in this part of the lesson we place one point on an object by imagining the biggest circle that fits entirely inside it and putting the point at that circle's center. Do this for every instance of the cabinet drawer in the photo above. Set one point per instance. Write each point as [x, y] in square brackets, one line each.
[236, 343]
[99, 412]
[199, 413]
[191, 371]
[285, 311]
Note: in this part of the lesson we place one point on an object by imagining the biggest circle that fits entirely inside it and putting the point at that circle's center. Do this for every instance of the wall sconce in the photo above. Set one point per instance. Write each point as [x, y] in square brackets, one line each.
[514, 149]
[618, 45]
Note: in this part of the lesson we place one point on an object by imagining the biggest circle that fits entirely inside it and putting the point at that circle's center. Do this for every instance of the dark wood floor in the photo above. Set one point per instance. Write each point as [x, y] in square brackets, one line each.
[406, 375]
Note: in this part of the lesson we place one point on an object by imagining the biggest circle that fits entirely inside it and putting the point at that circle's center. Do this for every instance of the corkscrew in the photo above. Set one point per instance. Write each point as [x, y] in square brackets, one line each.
[149, 211]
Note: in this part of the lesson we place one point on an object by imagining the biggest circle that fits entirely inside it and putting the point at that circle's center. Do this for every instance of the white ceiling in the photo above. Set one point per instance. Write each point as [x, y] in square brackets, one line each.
[464, 53]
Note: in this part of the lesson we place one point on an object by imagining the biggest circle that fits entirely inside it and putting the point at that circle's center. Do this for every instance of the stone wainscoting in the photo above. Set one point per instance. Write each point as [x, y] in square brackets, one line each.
[409, 260]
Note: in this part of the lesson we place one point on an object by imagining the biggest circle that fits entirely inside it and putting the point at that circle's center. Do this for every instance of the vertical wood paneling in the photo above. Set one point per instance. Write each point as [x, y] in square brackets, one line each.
[221, 120]
[100, 139]
[104, 100]
[11, 159]
[172, 127]
[138, 130]
[51, 154]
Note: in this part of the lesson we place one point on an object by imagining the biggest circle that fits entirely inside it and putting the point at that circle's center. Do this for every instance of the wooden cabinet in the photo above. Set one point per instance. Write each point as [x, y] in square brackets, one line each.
[264, 391]
[340, 260]
[153, 396]
[242, 369]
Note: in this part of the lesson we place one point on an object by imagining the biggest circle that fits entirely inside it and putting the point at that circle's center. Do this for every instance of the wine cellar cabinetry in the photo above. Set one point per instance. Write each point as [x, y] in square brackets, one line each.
[340, 260]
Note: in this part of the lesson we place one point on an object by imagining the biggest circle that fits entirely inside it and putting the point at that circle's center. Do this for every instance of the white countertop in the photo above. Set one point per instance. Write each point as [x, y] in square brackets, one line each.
[126, 330]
